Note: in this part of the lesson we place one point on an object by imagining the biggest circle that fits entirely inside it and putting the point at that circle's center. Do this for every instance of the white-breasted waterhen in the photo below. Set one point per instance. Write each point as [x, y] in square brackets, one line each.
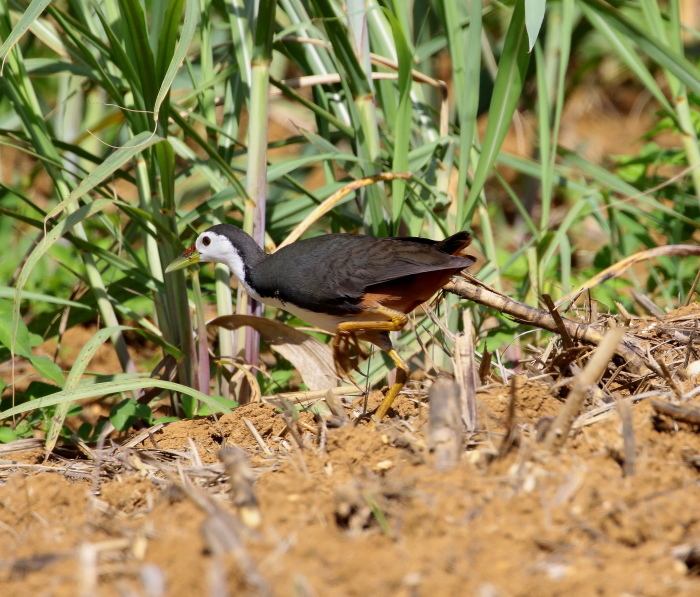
[359, 287]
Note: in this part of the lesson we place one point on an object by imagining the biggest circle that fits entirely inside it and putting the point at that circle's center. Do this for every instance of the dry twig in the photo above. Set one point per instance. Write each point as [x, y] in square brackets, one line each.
[561, 426]
[522, 313]
[686, 413]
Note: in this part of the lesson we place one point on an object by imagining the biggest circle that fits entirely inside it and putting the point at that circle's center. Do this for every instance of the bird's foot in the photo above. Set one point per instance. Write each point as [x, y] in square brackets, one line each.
[346, 353]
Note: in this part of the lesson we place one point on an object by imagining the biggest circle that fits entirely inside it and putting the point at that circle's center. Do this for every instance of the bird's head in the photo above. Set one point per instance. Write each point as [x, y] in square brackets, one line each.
[222, 243]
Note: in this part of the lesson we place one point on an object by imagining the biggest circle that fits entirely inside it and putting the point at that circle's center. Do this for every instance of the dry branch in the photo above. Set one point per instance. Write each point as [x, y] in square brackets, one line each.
[579, 332]
[686, 413]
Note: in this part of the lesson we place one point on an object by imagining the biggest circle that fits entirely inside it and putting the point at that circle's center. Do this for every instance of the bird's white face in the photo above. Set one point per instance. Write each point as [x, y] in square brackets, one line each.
[219, 249]
[211, 247]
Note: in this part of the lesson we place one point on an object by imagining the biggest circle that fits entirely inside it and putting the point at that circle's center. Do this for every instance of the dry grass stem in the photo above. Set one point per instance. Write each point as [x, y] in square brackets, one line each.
[621, 266]
[304, 398]
[559, 431]
[510, 435]
[141, 436]
[465, 372]
[337, 409]
[258, 438]
[241, 479]
[668, 377]
[328, 204]
[624, 410]
[647, 304]
[446, 435]
[485, 366]
[561, 328]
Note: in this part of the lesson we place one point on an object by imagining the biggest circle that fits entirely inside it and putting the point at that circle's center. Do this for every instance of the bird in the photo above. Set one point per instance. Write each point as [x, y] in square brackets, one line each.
[356, 286]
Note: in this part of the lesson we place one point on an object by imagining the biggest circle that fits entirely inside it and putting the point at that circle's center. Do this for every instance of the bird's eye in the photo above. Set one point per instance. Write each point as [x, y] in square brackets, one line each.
[206, 241]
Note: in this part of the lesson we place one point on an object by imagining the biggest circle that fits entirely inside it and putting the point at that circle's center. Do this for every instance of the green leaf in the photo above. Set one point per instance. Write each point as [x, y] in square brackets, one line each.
[22, 346]
[206, 410]
[9, 292]
[403, 120]
[61, 228]
[28, 17]
[508, 86]
[466, 55]
[165, 420]
[115, 161]
[136, 42]
[534, 16]
[188, 29]
[626, 51]
[39, 389]
[76, 372]
[653, 47]
[127, 412]
[7, 435]
[48, 369]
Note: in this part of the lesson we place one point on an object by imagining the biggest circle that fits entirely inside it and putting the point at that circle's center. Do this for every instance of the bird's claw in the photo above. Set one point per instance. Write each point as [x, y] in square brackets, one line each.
[346, 353]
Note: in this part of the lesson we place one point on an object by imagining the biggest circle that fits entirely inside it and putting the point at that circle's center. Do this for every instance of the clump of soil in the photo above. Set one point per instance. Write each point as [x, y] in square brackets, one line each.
[358, 511]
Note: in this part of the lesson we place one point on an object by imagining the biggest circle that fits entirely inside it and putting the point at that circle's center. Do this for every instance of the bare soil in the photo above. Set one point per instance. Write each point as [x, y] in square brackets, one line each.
[359, 511]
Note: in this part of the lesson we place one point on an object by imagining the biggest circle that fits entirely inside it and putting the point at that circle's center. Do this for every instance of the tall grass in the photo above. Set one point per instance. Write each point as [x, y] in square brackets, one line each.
[148, 121]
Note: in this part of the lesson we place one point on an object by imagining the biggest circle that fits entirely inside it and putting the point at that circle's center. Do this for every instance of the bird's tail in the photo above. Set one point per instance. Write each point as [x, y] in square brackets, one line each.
[455, 244]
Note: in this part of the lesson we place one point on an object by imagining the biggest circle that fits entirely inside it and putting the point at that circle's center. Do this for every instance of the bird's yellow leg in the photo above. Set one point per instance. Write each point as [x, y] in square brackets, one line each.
[395, 320]
[374, 332]
[402, 371]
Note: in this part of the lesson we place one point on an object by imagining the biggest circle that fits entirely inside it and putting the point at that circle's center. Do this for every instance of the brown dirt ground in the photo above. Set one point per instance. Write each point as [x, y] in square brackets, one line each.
[368, 514]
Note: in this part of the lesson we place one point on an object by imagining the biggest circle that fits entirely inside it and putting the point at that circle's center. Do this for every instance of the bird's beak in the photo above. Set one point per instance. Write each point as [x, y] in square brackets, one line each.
[189, 257]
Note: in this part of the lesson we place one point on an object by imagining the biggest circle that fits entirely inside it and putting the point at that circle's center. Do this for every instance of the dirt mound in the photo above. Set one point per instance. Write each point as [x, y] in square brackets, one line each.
[357, 511]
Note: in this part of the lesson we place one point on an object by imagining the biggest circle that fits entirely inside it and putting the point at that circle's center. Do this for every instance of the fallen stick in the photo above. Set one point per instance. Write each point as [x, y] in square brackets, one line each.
[686, 413]
[542, 319]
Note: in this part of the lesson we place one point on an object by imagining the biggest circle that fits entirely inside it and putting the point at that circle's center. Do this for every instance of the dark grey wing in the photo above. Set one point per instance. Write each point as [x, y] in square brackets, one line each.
[331, 273]
[314, 271]
[396, 258]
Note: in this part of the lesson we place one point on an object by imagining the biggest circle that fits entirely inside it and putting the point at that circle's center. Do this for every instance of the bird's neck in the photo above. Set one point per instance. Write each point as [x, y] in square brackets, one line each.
[245, 257]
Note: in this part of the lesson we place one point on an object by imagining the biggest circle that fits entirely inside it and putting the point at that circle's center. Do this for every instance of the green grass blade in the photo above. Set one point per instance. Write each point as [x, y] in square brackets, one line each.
[512, 69]
[403, 121]
[65, 225]
[34, 10]
[623, 46]
[114, 387]
[654, 48]
[178, 55]
[81, 362]
[534, 17]
[465, 50]
[121, 156]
